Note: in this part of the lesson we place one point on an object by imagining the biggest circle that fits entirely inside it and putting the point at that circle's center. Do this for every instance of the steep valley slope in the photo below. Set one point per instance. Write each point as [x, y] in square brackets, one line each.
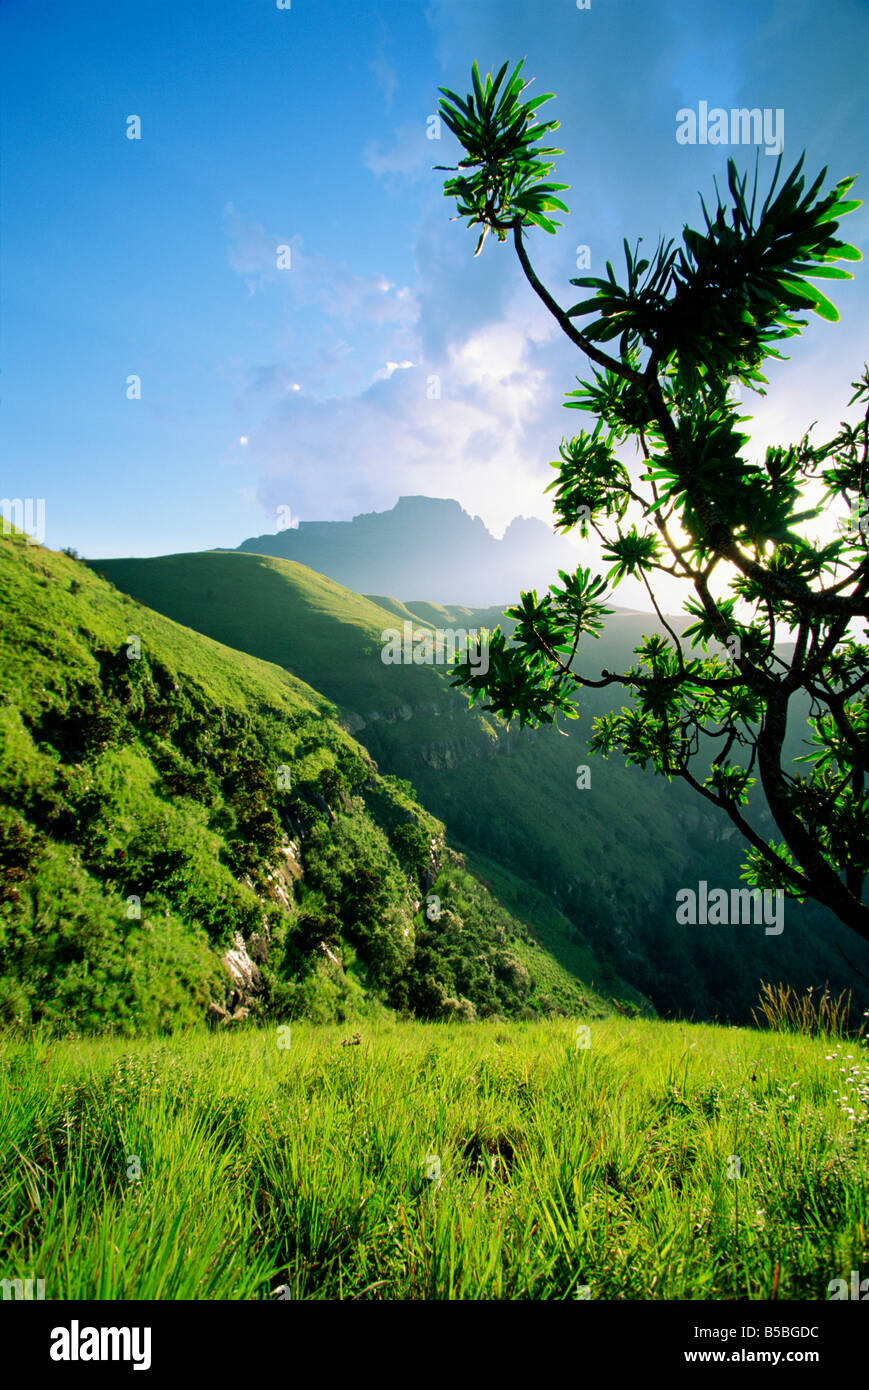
[609, 856]
[187, 830]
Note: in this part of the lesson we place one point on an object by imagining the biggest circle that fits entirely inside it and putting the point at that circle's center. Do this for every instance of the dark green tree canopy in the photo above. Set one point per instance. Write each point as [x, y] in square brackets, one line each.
[773, 614]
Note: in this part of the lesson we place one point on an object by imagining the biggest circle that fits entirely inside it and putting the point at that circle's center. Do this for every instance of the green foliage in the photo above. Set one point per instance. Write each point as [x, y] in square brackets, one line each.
[500, 136]
[70, 959]
[591, 873]
[783, 1009]
[144, 827]
[718, 306]
[687, 323]
[411, 844]
[265, 1160]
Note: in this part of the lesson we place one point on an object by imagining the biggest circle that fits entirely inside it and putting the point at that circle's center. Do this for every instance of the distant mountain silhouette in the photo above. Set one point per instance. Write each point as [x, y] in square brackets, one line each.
[425, 548]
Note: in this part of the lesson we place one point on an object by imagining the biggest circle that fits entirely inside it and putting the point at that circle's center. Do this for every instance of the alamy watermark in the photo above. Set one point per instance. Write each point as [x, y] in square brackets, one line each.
[434, 646]
[716, 907]
[432, 1167]
[22, 1289]
[738, 126]
[76, 1343]
[25, 514]
[856, 524]
[859, 1288]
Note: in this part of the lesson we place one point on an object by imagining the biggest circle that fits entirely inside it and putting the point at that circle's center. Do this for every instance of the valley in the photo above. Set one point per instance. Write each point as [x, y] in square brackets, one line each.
[611, 857]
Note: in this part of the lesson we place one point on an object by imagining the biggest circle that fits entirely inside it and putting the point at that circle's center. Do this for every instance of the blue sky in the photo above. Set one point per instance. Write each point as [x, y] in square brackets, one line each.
[309, 387]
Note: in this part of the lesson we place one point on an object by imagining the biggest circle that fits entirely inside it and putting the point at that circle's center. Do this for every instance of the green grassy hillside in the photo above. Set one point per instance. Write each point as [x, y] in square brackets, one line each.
[610, 857]
[653, 1161]
[168, 805]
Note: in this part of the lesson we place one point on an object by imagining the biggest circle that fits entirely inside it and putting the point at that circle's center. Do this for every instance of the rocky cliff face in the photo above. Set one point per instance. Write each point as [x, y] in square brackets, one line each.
[425, 546]
[244, 958]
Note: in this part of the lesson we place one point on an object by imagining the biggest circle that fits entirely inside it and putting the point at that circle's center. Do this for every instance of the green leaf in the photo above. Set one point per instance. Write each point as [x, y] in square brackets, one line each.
[478, 88]
[829, 272]
[840, 209]
[823, 307]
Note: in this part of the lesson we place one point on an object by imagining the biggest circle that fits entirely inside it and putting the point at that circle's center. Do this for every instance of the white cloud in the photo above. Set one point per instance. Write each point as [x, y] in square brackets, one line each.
[357, 452]
[253, 252]
[385, 372]
[410, 156]
[386, 78]
[314, 279]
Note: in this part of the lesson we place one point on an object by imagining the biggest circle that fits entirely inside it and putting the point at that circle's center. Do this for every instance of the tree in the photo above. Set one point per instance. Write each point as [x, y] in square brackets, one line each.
[711, 694]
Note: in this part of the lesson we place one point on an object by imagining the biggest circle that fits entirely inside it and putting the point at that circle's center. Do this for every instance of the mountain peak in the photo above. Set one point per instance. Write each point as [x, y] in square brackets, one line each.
[425, 546]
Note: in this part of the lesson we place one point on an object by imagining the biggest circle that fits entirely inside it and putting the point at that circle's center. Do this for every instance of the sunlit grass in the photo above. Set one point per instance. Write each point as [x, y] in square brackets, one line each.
[562, 1168]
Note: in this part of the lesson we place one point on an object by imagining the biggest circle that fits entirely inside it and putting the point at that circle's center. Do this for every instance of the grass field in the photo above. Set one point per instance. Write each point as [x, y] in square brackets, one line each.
[660, 1161]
